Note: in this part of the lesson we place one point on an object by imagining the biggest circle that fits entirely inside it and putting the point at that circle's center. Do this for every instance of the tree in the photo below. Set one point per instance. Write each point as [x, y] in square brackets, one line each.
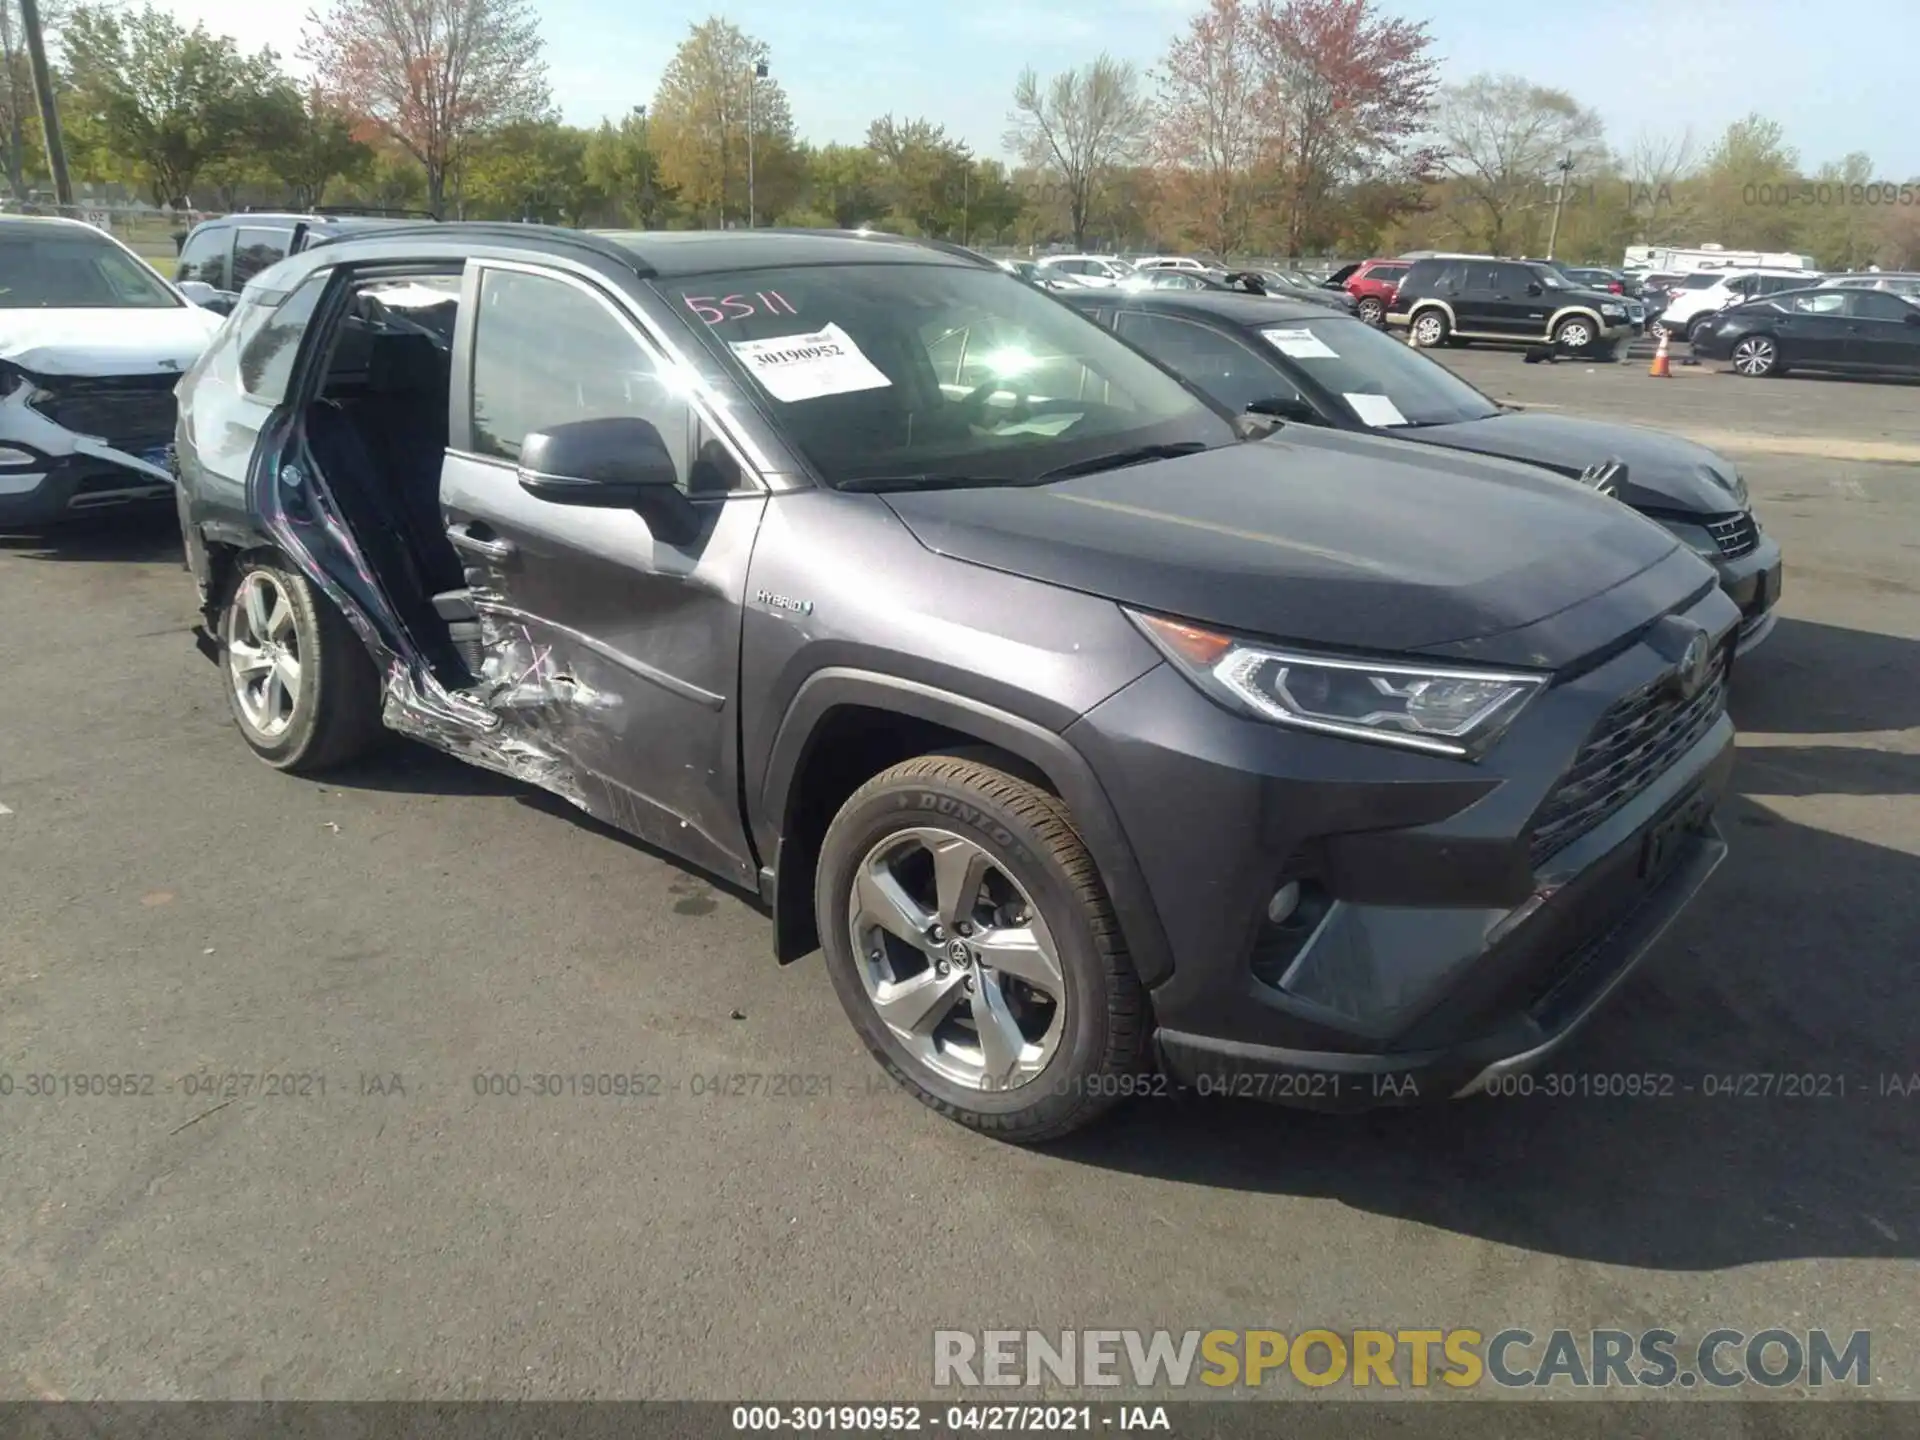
[433, 74]
[168, 102]
[1503, 136]
[620, 162]
[699, 122]
[1656, 168]
[530, 170]
[1744, 186]
[844, 185]
[924, 177]
[1081, 126]
[1347, 93]
[19, 108]
[1206, 128]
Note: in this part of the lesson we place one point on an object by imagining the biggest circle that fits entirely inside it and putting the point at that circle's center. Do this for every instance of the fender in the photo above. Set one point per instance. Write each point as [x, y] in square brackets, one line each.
[834, 687]
[1599, 325]
[1431, 304]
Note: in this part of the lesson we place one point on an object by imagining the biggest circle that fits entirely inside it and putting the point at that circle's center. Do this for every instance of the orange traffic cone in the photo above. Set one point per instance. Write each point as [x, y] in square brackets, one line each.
[1661, 368]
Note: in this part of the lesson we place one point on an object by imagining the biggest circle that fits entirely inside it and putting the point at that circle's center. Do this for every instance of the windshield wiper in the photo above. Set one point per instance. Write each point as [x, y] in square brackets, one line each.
[920, 482]
[1114, 460]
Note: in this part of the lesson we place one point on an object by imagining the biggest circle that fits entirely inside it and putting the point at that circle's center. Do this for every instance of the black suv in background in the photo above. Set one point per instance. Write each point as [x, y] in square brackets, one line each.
[1516, 301]
[1084, 730]
[227, 252]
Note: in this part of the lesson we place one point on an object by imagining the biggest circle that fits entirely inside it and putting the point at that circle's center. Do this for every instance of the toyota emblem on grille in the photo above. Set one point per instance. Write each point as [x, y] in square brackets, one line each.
[1695, 666]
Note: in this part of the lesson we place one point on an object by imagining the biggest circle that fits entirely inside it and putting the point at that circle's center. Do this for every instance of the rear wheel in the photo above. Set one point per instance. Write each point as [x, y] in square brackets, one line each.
[1755, 356]
[302, 688]
[1429, 329]
[973, 947]
[1370, 310]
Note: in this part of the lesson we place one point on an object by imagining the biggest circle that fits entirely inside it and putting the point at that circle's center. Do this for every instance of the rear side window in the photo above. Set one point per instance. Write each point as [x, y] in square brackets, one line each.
[255, 250]
[204, 257]
[270, 340]
[1818, 302]
[1220, 365]
[1877, 305]
[1390, 273]
[1699, 280]
[547, 353]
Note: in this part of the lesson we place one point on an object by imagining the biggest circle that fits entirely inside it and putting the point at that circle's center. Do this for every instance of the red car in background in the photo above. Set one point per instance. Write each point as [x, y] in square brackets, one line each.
[1371, 283]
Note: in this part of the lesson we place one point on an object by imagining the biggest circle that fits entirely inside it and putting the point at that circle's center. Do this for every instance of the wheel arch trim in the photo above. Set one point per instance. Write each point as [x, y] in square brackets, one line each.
[1094, 818]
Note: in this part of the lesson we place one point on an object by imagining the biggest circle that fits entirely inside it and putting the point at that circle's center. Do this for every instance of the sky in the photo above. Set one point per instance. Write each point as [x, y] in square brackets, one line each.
[1837, 82]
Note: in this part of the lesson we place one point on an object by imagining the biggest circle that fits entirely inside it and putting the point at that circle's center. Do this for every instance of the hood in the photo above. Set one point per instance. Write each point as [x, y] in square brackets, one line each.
[1664, 472]
[106, 342]
[1314, 536]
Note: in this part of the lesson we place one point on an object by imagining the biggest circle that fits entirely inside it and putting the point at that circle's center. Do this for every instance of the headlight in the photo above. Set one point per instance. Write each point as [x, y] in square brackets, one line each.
[1613, 310]
[1436, 708]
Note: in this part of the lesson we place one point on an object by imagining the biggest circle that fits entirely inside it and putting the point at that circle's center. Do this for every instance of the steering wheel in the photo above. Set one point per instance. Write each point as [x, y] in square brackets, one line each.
[973, 404]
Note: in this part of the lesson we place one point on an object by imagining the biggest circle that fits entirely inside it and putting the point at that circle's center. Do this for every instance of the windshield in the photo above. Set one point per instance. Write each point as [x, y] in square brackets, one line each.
[59, 269]
[1550, 277]
[1382, 382]
[910, 373]
[1699, 280]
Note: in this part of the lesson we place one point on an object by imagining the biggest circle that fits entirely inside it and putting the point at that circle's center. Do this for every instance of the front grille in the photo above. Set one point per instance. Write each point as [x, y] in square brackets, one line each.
[1637, 740]
[126, 411]
[1736, 535]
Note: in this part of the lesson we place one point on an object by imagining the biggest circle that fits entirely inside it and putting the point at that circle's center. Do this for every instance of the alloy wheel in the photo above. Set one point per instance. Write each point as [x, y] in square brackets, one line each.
[263, 654]
[1754, 355]
[1574, 335]
[956, 959]
[1371, 311]
[1428, 330]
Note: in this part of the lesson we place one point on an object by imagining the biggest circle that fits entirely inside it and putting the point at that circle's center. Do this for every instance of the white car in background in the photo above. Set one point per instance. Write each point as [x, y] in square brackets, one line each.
[1702, 295]
[1173, 262]
[92, 343]
[1100, 271]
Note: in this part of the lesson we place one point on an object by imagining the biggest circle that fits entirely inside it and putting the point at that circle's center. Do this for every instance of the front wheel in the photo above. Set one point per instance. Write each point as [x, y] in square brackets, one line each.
[1756, 356]
[1573, 333]
[971, 943]
[302, 688]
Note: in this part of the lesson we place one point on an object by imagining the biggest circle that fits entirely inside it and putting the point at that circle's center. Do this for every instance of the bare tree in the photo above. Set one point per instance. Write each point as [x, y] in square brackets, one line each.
[1082, 125]
[432, 74]
[1655, 165]
[1503, 137]
[1206, 129]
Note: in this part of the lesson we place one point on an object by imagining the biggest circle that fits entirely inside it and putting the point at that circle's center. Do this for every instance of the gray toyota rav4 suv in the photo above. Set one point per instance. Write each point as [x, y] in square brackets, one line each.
[1106, 743]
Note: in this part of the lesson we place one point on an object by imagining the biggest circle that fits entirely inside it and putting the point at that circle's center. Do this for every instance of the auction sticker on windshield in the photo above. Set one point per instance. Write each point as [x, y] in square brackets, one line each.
[1375, 409]
[1301, 344]
[806, 367]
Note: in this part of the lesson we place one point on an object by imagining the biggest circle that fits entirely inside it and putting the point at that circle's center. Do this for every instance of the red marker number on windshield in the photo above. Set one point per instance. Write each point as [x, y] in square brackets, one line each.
[716, 309]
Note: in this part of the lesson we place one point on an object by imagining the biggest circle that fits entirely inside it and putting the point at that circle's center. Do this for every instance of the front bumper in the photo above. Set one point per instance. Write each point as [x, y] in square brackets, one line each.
[52, 489]
[1446, 949]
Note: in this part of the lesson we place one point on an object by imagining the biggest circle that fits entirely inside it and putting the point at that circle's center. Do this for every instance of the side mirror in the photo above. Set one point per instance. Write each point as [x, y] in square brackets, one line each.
[615, 463]
[1534, 287]
[1912, 317]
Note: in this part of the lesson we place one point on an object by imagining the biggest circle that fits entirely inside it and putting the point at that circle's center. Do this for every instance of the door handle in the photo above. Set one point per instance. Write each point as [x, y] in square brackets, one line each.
[477, 539]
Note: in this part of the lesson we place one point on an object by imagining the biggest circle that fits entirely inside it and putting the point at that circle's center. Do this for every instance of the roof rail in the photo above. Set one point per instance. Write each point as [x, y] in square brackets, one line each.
[512, 231]
[376, 212]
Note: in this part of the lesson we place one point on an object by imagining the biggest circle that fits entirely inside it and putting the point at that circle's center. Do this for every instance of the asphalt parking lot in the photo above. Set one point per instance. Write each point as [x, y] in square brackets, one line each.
[174, 909]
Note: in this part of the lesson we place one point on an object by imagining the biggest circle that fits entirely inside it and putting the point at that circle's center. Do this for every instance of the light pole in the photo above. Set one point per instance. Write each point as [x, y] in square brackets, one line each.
[754, 75]
[1565, 167]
